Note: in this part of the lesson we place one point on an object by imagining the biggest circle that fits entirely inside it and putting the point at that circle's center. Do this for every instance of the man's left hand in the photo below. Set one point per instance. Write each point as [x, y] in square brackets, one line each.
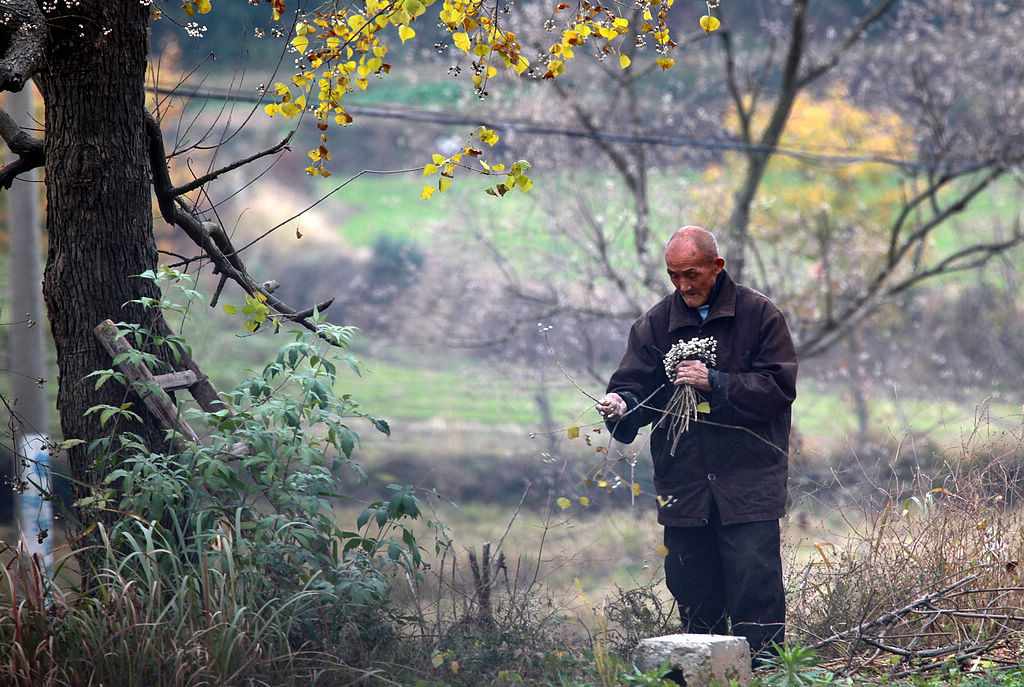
[694, 373]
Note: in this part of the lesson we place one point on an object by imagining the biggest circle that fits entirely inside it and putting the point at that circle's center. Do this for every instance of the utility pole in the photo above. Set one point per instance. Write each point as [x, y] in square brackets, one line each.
[28, 345]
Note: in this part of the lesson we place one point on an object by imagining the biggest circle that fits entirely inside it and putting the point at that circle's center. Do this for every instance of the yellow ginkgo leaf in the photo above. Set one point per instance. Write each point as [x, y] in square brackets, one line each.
[624, 61]
[461, 41]
[709, 23]
[563, 503]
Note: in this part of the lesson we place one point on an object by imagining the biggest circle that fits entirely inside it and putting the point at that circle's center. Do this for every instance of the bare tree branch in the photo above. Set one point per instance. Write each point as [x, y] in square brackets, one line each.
[210, 237]
[879, 11]
[883, 287]
[894, 615]
[198, 182]
[23, 30]
[30, 150]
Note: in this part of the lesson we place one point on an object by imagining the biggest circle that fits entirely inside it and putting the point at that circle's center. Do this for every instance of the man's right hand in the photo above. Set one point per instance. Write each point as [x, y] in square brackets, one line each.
[611, 407]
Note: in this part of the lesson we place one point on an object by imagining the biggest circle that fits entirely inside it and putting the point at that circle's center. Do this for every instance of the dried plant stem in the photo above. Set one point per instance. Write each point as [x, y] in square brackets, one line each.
[681, 408]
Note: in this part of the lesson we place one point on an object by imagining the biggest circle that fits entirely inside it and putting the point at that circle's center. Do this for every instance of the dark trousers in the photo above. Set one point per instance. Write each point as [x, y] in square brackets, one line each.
[728, 577]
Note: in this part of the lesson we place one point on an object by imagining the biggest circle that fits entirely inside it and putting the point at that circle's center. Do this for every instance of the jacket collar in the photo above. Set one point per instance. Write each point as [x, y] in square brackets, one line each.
[723, 304]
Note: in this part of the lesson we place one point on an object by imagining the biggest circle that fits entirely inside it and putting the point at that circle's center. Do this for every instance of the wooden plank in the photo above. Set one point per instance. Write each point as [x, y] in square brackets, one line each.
[144, 382]
[203, 390]
[174, 381]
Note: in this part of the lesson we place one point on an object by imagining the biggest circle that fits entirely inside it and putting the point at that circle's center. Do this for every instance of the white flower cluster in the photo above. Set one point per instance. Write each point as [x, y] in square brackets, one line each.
[703, 350]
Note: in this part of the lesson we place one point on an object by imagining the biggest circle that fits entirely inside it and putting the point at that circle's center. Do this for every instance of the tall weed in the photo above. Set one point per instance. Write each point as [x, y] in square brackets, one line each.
[932, 575]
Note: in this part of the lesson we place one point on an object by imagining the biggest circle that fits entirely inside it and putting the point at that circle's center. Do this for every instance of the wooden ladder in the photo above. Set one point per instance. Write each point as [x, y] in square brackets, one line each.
[148, 385]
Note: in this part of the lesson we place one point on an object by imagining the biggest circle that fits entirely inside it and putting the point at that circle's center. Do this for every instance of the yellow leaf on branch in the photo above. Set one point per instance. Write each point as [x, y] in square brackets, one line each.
[461, 41]
[709, 23]
[405, 32]
[624, 61]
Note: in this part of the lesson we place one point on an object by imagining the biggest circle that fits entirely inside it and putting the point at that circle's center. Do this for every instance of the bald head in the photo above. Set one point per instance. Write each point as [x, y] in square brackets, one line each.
[702, 240]
[693, 264]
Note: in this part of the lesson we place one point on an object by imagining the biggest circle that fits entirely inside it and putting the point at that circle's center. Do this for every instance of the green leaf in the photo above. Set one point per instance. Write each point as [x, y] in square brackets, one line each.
[383, 427]
[704, 407]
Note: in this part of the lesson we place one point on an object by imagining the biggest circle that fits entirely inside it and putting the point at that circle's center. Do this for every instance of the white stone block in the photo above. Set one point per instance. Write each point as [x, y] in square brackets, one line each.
[702, 659]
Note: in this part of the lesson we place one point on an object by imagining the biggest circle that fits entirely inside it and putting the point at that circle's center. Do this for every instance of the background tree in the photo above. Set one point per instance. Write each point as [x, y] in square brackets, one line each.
[884, 111]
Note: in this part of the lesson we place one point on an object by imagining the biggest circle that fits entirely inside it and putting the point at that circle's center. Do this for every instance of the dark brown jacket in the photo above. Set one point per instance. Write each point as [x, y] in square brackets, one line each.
[736, 453]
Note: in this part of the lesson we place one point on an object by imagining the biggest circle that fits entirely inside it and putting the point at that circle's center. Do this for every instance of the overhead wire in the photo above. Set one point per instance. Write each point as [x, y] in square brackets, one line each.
[448, 118]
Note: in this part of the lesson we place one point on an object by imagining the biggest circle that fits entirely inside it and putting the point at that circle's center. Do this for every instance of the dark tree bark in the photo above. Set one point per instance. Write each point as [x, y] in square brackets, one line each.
[99, 220]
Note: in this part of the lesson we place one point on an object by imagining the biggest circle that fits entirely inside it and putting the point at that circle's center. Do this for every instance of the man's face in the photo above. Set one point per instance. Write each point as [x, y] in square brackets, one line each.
[691, 273]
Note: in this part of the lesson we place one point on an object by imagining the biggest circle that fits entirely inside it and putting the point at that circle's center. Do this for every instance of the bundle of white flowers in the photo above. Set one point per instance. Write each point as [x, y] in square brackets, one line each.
[683, 404]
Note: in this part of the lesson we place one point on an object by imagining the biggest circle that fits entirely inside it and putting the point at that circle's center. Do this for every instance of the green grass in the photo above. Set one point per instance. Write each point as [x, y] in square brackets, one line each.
[461, 389]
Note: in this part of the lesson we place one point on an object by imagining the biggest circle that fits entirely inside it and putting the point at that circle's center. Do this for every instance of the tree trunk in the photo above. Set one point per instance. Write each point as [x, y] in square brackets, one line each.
[99, 215]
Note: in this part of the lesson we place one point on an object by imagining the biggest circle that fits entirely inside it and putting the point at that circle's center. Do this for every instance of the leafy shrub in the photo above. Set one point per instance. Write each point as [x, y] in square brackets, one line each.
[226, 560]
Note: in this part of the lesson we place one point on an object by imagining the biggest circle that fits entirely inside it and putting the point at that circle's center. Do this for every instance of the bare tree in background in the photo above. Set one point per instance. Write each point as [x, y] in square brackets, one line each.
[949, 73]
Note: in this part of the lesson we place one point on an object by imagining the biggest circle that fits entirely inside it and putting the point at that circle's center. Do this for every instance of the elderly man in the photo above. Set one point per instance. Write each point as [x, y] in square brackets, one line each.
[721, 483]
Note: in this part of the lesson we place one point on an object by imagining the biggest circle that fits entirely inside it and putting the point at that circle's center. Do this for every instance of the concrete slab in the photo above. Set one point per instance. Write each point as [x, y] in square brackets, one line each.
[702, 659]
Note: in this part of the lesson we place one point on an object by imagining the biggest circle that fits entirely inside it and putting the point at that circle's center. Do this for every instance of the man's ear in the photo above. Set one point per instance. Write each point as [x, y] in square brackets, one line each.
[719, 263]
